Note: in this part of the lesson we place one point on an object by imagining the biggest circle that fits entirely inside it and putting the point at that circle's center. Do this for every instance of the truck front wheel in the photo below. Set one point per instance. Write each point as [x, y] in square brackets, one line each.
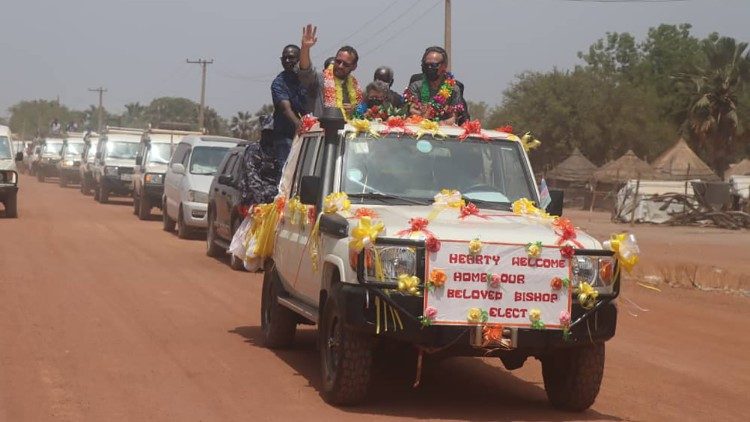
[572, 377]
[278, 323]
[11, 207]
[346, 358]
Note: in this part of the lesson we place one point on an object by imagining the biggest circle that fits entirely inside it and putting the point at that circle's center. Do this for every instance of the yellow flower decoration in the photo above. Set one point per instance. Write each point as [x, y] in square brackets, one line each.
[625, 248]
[535, 315]
[476, 315]
[525, 207]
[408, 284]
[336, 202]
[364, 234]
[431, 128]
[587, 295]
[475, 246]
[362, 126]
[534, 249]
[529, 142]
[297, 211]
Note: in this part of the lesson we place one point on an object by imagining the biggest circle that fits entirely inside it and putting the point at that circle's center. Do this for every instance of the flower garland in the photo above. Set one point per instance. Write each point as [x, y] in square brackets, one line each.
[333, 93]
[438, 107]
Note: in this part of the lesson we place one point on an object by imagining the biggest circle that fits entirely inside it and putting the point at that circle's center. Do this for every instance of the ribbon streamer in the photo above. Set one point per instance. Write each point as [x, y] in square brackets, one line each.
[307, 122]
[396, 124]
[472, 127]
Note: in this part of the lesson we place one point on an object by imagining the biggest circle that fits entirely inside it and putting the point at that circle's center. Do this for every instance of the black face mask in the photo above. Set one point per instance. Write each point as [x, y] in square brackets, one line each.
[431, 71]
[374, 102]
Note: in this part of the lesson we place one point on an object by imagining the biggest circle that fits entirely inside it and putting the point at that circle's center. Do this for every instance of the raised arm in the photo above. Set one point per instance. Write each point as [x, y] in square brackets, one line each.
[309, 38]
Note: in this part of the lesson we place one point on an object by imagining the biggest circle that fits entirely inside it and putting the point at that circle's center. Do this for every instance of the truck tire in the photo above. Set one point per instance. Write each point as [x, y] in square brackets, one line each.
[63, 181]
[212, 249]
[278, 323]
[85, 187]
[103, 195]
[345, 357]
[11, 207]
[235, 262]
[144, 209]
[183, 231]
[40, 175]
[136, 203]
[166, 221]
[572, 377]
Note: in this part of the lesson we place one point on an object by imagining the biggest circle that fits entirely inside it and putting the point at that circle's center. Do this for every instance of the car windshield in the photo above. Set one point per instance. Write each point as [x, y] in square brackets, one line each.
[160, 153]
[490, 173]
[4, 148]
[52, 148]
[122, 150]
[74, 149]
[205, 160]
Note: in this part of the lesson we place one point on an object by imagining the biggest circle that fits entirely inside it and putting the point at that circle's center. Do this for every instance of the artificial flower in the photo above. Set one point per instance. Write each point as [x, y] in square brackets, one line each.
[534, 249]
[438, 277]
[364, 234]
[494, 280]
[565, 318]
[535, 316]
[408, 284]
[477, 315]
[472, 127]
[475, 246]
[567, 251]
[430, 312]
[432, 244]
[556, 283]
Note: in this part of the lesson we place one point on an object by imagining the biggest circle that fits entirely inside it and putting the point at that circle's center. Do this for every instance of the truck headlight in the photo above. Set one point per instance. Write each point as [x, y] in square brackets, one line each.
[196, 196]
[154, 178]
[68, 163]
[111, 170]
[45, 160]
[394, 261]
[598, 271]
[8, 177]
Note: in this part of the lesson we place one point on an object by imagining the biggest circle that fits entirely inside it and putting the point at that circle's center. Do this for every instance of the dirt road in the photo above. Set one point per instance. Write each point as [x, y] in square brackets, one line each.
[107, 318]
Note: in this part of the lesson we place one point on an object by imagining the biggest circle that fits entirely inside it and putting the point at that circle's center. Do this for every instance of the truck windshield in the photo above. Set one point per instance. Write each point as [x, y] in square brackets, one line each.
[52, 148]
[160, 153]
[4, 148]
[492, 173]
[74, 149]
[122, 150]
[206, 160]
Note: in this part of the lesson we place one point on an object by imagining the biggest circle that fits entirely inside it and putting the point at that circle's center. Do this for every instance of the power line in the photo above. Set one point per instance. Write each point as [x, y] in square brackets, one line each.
[203, 64]
[391, 23]
[411, 24]
[360, 28]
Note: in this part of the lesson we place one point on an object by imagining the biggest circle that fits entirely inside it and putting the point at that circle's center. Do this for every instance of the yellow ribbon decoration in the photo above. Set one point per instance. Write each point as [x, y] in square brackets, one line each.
[587, 295]
[362, 126]
[408, 284]
[336, 202]
[475, 246]
[529, 142]
[446, 198]
[525, 207]
[365, 234]
[625, 248]
[428, 127]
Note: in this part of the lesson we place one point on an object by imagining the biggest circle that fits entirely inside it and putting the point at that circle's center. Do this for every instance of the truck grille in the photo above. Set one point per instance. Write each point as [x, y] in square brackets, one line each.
[125, 170]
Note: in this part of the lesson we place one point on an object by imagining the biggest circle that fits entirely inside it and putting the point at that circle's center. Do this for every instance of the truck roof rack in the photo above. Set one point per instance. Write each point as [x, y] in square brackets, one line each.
[123, 130]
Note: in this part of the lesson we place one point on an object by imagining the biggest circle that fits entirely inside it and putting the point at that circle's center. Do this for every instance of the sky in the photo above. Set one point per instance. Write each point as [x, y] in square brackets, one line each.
[137, 50]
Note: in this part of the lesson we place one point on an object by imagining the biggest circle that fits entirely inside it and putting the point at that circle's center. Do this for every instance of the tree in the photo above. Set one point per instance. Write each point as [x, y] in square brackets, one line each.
[32, 118]
[242, 125]
[479, 111]
[134, 115]
[713, 116]
[182, 110]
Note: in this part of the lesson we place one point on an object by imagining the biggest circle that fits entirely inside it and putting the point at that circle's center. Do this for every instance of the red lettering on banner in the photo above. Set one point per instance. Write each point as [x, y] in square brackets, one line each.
[508, 312]
[458, 258]
[518, 261]
[473, 294]
[535, 297]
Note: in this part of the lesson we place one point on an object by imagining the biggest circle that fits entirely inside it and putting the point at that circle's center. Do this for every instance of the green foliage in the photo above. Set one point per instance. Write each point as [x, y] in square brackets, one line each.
[32, 118]
[247, 126]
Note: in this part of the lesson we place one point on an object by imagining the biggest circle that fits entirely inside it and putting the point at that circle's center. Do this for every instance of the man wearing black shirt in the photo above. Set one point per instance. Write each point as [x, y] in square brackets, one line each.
[289, 103]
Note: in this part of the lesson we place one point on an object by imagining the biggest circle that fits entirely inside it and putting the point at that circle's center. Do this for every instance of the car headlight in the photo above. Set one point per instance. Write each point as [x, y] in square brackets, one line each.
[154, 178]
[111, 170]
[68, 163]
[598, 271]
[195, 196]
[394, 261]
[8, 177]
[45, 160]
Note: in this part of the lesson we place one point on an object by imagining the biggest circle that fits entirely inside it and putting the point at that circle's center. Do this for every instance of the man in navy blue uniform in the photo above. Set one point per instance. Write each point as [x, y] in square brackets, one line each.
[289, 103]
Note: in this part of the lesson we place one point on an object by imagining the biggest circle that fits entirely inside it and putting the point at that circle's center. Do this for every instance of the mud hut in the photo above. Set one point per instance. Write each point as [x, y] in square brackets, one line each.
[607, 179]
[572, 176]
[740, 169]
[681, 163]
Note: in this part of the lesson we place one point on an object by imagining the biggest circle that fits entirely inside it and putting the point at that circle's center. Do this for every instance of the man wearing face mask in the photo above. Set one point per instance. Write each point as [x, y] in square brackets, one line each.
[376, 103]
[335, 87]
[385, 74]
[289, 103]
[436, 96]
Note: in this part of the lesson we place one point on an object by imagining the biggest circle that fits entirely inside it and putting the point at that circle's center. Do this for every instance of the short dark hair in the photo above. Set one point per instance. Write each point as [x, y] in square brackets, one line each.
[378, 86]
[294, 46]
[349, 49]
[329, 61]
[435, 49]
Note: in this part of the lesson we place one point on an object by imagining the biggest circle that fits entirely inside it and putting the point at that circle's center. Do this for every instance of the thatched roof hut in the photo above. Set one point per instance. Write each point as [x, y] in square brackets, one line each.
[740, 169]
[575, 168]
[681, 163]
[629, 166]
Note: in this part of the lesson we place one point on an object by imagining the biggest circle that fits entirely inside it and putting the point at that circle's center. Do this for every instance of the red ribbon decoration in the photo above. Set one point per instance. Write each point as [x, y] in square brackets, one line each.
[307, 123]
[417, 224]
[396, 122]
[506, 129]
[472, 127]
[471, 209]
[364, 212]
[567, 232]
[567, 252]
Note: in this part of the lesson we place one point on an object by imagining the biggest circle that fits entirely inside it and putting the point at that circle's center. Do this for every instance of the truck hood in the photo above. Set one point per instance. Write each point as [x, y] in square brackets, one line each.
[201, 182]
[155, 168]
[119, 162]
[498, 226]
[7, 164]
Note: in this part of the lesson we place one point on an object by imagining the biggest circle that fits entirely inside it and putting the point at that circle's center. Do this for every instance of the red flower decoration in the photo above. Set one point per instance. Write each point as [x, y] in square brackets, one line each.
[365, 212]
[472, 127]
[470, 209]
[280, 204]
[567, 231]
[506, 129]
[418, 223]
[307, 123]
[567, 252]
[396, 122]
[432, 244]
[312, 214]
[556, 283]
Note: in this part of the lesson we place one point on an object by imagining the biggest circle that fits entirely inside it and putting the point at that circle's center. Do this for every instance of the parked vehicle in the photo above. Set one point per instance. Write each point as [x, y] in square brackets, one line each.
[154, 152]
[8, 173]
[49, 156]
[188, 178]
[456, 270]
[88, 158]
[69, 165]
[225, 210]
[115, 159]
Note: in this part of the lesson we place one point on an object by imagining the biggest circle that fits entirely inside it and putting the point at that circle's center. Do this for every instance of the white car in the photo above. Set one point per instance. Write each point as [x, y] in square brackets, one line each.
[69, 165]
[115, 159]
[8, 173]
[88, 158]
[49, 156]
[188, 178]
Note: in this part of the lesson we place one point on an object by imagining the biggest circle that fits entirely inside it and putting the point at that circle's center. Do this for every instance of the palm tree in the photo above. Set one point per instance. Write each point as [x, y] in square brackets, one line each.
[712, 116]
[134, 113]
[243, 125]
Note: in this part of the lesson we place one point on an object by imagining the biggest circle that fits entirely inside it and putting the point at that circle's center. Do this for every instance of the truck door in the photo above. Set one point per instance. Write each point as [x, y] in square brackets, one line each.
[222, 198]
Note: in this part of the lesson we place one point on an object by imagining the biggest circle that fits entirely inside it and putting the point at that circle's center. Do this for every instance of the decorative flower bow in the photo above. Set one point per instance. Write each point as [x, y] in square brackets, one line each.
[396, 124]
[449, 198]
[505, 129]
[470, 209]
[529, 142]
[431, 128]
[472, 127]
[336, 202]
[525, 207]
[567, 251]
[567, 232]
[625, 248]
[475, 246]
[535, 316]
[364, 234]
[408, 284]
[432, 244]
[362, 126]
[430, 314]
[416, 225]
[534, 249]
[437, 278]
[307, 122]
[414, 119]
[477, 315]
[587, 295]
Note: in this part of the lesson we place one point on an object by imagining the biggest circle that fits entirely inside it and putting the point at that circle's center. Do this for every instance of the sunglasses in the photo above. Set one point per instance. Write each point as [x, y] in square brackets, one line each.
[342, 63]
[432, 65]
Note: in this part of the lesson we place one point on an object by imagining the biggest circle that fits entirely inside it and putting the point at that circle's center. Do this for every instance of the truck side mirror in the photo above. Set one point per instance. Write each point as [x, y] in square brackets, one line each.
[19, 156]
[178, 168]
[138, 161]
[556, 206]
[225, 179]
[309, 189]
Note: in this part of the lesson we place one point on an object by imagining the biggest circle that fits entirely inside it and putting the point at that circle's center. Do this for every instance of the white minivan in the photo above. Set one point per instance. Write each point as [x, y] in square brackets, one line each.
[188, 178]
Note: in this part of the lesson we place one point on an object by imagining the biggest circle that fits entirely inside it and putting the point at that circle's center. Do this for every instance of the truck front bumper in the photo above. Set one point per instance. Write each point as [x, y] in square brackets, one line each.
[360, 314]
[117, 186]
[194, 214]
[8, 191]
[71, 173]
[153, 192]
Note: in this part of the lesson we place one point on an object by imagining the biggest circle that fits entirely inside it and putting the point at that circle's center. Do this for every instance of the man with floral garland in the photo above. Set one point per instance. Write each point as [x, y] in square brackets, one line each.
[335, 86]
[436, 96]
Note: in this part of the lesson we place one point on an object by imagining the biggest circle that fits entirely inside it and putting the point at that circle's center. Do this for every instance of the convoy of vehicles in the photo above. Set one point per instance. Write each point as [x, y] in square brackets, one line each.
[154, 152]
[70, 158]
[188, 178]
[8, 173]
[114, 162]
[49, 155]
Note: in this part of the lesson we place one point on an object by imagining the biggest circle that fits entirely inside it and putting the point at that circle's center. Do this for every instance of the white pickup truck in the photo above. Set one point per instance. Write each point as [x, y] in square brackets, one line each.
[429, 235]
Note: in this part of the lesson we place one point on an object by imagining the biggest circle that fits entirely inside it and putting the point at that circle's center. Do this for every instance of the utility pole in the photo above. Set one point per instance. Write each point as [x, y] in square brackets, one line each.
[447, 41]
[203, 64]
[100, 119]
